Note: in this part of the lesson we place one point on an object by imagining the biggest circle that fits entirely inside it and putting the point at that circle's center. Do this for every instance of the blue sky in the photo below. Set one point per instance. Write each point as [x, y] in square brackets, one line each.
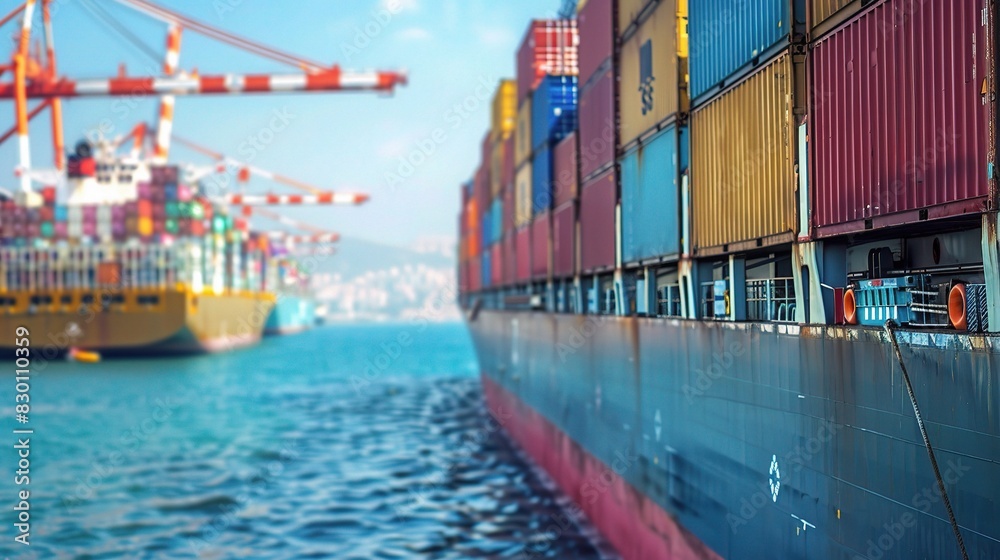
[454, 50]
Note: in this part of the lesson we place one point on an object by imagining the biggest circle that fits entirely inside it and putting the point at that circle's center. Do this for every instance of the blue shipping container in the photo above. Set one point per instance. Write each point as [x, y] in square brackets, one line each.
[487, 264]
[497, 220]
[729, 37]
[553, 110]
[541, 181]
[651, 197]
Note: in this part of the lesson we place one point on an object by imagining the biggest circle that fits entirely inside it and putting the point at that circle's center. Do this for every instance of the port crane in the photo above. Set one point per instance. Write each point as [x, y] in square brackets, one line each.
[36, 77]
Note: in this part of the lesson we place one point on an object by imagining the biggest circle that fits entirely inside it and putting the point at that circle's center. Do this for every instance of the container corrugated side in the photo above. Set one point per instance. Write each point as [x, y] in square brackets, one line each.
[549, 47]
[742, 156]
[523, 254]
[628, 13]
[541, 181]
[504, 116]
[598, 199]
[508, 169]
[509, 259]
[553, 110]
[652, 67]
[597, 36]
[475, 274]
[650, 178]
[497, 158]
[598, 134]
[523, 203]
[565, 171]
[919, 140]
[541, 246]
[522, 134]
[508, 208]
[486, 263]
[496, 265]
[564, 241]
[827, 15]
[728, 38]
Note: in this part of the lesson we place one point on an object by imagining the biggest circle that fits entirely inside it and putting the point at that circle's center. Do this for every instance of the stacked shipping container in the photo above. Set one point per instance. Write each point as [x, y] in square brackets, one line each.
[597, 139]
[652, 96]
[916, 148]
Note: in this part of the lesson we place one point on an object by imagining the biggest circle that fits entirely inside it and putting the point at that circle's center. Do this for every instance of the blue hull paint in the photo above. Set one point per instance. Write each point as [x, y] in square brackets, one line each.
[291, 314]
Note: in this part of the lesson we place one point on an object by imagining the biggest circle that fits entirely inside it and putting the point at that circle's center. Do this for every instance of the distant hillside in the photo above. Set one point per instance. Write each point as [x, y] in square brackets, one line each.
[357, 257]
[367, 281]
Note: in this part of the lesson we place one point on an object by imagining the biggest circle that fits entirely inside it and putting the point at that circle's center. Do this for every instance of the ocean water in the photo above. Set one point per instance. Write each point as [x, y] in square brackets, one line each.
[344, 442]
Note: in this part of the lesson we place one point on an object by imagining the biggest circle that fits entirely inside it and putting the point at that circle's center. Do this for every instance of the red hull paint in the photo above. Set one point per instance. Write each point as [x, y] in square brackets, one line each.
[636, 526]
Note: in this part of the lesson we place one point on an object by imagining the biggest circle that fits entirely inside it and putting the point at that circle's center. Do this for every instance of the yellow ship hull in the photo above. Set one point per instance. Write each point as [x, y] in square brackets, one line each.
[146, 321]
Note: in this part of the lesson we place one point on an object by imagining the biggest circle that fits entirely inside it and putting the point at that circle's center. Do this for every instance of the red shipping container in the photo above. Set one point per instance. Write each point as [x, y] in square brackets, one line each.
[507, 177]
[523, 254]
[508, 210]
[549, 47]
[564, 241]
[596, 22]
[481, 190]
[496, 266]
[509, 259]
[598, 136]
[541, 236]
[898, 122]
[597, 222]
[475, 274]
[565, 171]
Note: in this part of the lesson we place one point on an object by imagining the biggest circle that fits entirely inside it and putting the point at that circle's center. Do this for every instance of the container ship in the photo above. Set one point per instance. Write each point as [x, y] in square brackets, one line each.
[295, 307]
[131, 259]
[732, 274]
[125, 253]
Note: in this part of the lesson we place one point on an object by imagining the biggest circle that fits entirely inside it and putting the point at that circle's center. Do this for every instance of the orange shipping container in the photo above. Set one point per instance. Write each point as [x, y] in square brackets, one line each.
[109, 273]
[743, 152]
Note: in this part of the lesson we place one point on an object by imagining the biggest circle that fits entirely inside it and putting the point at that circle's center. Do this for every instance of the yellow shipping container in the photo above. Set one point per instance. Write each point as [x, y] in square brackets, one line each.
[522, 196]
[522, 134]
[743, 148]
[653, 62]
[822, 12]
[504, 110]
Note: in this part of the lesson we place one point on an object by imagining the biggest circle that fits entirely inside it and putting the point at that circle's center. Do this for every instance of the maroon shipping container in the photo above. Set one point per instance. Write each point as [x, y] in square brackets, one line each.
[596, 22]
[549, 47]
[899, 130]
[481, 191]
[597, 126]
[597, 222]
[523, 254]
[507, 177]
[508, 210]
[565, 171]
[564, 241]
[541, 235]
[496, 265]
[475, 274]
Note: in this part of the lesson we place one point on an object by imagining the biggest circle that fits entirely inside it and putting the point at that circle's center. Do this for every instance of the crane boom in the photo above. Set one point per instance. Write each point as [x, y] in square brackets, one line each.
[334, 79]
[323, 198]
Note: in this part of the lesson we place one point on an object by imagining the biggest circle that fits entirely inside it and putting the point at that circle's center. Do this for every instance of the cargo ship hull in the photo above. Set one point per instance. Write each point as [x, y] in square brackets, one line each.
[291, 314]
[687, 439]
[146, 322]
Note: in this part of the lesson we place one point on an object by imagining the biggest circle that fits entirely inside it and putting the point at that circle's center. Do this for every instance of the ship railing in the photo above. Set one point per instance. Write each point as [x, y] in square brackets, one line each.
[771, 300]
[668, 301]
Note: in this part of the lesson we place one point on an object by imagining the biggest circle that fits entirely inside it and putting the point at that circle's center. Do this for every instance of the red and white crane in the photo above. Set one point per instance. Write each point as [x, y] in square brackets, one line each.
[33, 79]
